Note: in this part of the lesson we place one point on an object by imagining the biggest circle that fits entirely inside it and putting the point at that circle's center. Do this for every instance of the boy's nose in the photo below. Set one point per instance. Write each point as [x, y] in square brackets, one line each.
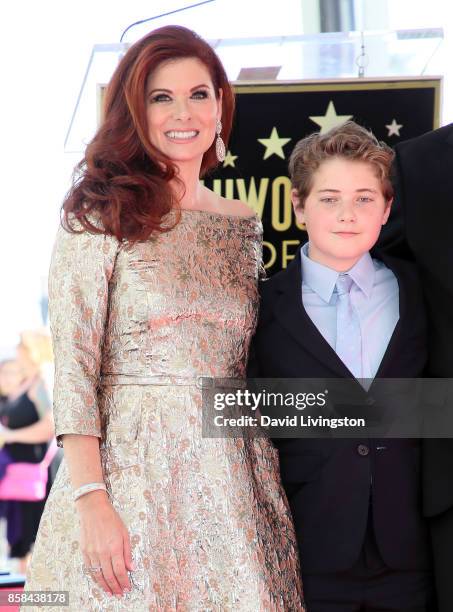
[346, 213]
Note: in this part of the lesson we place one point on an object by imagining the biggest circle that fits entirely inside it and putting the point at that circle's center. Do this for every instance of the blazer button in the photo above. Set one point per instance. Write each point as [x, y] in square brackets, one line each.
[370, 401]
[363, 450]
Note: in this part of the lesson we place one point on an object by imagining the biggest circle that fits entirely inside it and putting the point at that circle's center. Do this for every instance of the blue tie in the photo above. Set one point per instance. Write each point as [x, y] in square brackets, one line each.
[349, 336]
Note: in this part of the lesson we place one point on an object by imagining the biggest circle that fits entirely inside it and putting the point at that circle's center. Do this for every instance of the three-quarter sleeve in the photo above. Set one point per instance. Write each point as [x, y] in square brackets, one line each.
[81, 268]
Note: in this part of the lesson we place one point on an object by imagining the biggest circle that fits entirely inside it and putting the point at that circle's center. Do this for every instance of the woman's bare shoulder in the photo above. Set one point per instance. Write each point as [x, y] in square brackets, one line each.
[214, 203]
[235, 207]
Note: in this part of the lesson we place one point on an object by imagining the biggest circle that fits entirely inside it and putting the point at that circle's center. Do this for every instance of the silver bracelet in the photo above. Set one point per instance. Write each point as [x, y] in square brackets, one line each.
[87, 488]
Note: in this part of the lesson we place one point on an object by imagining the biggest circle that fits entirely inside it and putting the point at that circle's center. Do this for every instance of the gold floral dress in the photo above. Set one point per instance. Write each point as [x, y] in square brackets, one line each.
[134, 328]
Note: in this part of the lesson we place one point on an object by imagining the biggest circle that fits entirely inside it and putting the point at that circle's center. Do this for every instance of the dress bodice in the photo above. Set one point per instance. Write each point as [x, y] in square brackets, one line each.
[185, 302]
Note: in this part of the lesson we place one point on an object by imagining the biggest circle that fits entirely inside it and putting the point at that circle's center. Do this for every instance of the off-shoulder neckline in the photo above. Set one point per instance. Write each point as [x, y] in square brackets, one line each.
[253, 217]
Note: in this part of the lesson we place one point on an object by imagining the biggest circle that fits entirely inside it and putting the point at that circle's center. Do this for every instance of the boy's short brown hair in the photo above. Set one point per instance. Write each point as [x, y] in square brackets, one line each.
[348, 141]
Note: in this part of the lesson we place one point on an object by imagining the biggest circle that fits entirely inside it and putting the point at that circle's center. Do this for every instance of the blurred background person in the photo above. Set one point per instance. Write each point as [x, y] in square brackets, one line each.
[27, 428]
[10, 379]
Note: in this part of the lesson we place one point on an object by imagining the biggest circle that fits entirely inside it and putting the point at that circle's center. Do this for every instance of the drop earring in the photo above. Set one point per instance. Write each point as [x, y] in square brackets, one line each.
[219, 144]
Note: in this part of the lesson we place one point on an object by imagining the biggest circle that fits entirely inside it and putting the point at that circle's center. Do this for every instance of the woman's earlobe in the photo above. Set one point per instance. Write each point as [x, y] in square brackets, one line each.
[219, 103]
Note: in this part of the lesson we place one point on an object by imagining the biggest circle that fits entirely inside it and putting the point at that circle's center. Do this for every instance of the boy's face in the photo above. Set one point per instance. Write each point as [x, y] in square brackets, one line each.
[343, 213]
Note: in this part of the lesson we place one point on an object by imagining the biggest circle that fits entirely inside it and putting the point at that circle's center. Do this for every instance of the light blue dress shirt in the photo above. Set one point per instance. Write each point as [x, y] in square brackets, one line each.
[374, 295]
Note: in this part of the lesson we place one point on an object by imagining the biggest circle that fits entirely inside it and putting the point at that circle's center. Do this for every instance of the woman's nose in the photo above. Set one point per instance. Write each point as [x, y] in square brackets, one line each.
[182, 111]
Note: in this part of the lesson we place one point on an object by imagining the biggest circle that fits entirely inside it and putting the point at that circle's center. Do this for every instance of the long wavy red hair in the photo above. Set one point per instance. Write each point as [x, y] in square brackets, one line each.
[121, 186]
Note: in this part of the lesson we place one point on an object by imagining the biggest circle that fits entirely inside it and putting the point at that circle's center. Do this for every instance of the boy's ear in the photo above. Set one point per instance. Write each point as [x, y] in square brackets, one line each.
[387, 212]
[298, 209]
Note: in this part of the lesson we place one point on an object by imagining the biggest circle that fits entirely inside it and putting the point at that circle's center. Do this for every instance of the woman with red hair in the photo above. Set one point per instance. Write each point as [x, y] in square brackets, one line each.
[153, 285]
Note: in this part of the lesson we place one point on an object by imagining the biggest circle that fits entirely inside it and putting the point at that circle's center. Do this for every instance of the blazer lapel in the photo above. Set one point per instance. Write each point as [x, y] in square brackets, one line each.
[292, 316]
[402, 293]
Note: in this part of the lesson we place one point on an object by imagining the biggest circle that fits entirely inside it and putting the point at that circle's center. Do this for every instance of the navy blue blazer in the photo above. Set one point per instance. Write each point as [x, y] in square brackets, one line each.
[330, 483]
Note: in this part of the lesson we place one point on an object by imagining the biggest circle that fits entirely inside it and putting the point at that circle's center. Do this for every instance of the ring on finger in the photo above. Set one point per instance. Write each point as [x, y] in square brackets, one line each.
[93, 569]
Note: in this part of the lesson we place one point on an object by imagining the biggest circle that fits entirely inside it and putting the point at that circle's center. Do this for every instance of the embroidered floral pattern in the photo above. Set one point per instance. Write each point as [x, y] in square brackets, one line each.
[208, 520]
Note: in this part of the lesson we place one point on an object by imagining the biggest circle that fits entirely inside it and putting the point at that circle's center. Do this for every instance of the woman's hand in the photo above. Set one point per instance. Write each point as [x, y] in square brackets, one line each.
[105, 542]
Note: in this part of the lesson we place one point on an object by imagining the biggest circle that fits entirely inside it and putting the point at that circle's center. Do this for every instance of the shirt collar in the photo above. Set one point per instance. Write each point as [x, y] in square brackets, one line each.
[322, 279]
[363, 273]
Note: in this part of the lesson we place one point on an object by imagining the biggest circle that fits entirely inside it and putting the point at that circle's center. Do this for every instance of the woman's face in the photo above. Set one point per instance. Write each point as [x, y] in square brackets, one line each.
[182, 109]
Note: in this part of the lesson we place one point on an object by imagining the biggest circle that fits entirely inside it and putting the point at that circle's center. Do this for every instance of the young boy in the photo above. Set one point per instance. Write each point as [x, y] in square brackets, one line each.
[339, 311]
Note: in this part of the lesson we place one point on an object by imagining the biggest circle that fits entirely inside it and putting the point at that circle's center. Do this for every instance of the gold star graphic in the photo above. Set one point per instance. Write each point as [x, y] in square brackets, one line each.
[274, 144]
[330, 119]
[230, 159]
[394, 128]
